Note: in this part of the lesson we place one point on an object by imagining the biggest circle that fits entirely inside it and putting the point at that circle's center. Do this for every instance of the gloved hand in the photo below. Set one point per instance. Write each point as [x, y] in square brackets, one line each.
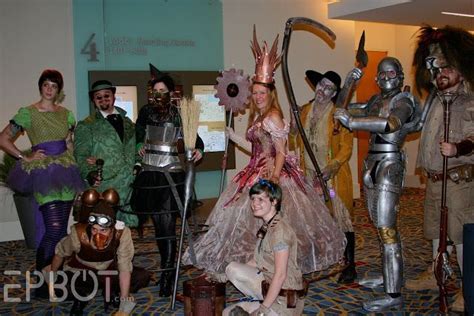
[354, 74]
[343, 116]
[331, 170]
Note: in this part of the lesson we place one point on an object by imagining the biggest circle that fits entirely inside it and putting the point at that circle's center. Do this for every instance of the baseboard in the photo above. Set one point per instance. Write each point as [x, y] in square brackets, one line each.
[12, 230]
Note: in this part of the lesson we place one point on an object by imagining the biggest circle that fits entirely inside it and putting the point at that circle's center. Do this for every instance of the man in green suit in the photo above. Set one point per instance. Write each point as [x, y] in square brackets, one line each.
[107, 135]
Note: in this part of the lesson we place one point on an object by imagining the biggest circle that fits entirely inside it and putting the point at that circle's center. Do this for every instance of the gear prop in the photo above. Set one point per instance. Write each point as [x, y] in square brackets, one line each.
[233, 92]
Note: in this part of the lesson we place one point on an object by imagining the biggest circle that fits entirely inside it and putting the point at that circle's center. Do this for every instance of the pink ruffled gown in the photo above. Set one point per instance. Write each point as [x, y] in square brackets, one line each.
[233, 228]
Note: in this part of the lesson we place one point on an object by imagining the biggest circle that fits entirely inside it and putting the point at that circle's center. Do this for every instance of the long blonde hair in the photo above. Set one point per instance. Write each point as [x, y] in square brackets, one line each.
[273, 102]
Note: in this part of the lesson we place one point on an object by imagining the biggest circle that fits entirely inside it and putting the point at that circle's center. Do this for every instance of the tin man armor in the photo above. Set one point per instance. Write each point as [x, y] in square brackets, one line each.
[159, 186]
[389, 117]
[161, 150]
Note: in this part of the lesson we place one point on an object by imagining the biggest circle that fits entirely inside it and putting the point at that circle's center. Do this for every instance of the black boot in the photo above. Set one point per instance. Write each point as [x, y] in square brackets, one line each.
[168, 256]
[349, 274]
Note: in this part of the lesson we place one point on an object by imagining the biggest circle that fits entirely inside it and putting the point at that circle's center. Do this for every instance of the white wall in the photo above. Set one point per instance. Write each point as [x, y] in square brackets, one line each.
[34, 35]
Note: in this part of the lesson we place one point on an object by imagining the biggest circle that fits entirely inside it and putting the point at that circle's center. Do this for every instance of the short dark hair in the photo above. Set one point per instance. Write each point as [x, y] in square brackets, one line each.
[53, 76]
[272, 189]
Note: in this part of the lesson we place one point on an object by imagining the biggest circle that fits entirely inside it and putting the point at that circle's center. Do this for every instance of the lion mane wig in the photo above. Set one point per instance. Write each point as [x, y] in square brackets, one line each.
[457, 46]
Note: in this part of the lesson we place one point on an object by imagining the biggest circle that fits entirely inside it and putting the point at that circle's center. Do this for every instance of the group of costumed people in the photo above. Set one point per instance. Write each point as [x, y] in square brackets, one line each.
[227, 251]
[313, 242]
[272, 223]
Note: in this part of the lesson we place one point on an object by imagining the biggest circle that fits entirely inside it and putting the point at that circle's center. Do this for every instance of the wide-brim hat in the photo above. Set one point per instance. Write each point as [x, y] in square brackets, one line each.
[101, 85]
[314, 77]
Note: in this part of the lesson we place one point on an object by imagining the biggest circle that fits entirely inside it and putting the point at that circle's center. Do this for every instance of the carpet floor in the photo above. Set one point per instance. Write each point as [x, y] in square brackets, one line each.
[325, 297]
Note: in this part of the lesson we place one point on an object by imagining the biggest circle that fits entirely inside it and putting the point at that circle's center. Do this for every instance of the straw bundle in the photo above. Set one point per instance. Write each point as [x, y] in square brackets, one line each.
[190, 110]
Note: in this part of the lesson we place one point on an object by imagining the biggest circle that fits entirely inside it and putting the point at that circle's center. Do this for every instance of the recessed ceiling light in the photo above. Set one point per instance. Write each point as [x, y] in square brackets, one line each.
[458, 14]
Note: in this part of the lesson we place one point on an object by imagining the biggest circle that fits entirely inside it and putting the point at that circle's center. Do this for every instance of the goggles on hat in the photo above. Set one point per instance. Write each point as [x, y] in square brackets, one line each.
[101, 220]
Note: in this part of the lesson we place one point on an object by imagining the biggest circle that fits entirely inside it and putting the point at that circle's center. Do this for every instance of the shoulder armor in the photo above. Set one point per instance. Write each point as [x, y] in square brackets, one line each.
[411, 125]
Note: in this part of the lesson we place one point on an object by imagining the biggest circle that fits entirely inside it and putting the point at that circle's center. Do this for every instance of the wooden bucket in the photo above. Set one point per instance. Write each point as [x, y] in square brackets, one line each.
[203, 298]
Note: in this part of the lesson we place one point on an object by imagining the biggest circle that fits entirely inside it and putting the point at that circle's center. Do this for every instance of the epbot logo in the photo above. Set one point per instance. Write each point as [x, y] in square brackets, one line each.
[54, 287]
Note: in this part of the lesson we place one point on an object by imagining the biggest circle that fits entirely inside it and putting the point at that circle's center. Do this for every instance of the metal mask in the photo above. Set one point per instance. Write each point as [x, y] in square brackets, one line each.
[160, 99]
[389, 75]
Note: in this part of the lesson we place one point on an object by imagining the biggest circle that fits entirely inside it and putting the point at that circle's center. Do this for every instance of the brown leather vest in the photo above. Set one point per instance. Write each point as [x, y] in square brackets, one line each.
[90, 254]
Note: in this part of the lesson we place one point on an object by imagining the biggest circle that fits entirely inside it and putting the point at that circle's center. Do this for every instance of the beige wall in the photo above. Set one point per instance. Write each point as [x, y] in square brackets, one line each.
[34, 35]
[307, 51]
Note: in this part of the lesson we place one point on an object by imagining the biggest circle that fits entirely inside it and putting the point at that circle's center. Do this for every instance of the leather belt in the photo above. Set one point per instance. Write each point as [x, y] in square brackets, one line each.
[290, 294]
[455, 174]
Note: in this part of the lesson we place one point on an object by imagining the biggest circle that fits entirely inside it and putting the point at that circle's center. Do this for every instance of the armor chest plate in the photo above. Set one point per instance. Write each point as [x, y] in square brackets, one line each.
[161, 145]
[165, 133]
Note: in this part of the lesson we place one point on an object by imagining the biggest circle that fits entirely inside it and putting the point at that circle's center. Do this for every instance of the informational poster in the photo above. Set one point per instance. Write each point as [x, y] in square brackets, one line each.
[212, 118]
[126, 98]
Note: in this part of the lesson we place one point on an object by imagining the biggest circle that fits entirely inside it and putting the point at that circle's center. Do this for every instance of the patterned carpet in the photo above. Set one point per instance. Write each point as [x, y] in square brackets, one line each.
[325, 296]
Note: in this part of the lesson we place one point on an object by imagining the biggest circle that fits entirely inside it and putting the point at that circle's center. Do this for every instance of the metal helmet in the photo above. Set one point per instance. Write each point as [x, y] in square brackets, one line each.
[389, 75]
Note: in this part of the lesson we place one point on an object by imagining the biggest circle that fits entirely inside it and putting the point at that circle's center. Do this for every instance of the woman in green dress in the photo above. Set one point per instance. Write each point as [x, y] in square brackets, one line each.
[49, 172]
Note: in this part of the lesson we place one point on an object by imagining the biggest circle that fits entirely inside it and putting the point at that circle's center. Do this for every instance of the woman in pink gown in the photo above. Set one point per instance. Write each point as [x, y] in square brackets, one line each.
[232, 228]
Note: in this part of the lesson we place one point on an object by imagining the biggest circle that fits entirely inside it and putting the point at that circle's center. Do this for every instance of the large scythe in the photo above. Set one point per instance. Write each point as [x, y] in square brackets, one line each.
[291, 95]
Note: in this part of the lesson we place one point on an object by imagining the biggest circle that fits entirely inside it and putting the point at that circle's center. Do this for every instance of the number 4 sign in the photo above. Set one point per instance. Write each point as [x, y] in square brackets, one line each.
[90, 49]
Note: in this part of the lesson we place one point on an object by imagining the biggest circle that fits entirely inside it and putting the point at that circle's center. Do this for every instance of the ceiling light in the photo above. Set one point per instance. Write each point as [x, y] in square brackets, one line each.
[458, 14]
